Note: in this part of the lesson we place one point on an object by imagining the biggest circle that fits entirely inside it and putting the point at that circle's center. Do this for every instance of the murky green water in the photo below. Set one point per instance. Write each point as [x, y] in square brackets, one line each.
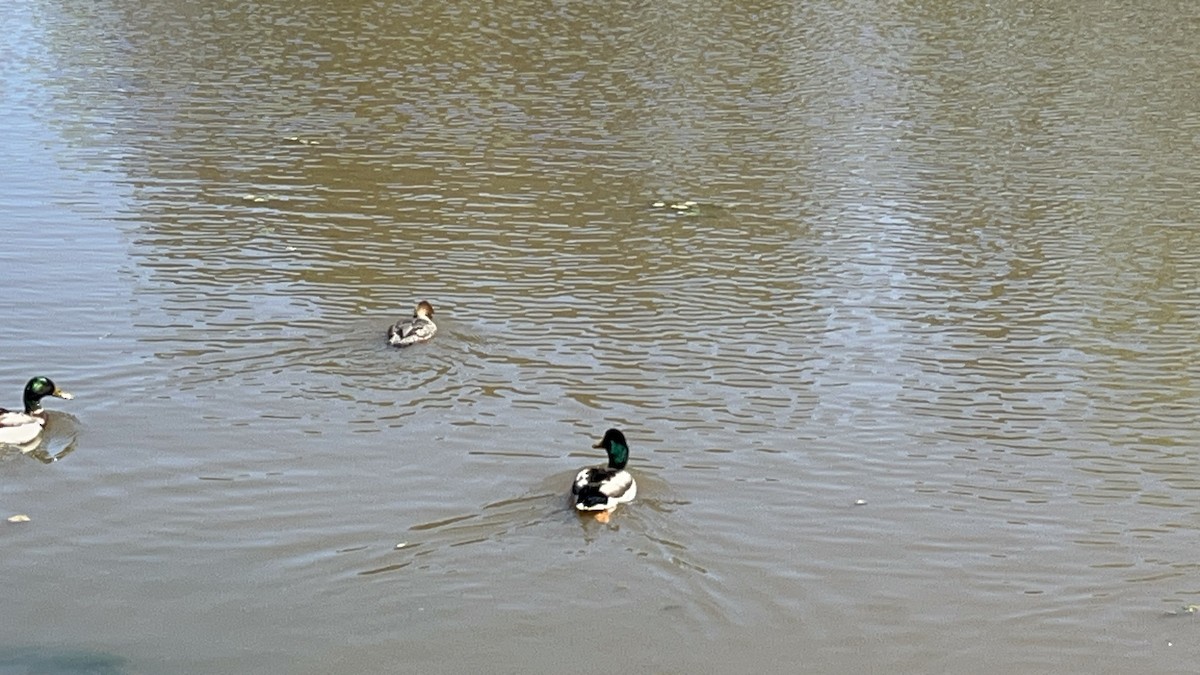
[943, 260]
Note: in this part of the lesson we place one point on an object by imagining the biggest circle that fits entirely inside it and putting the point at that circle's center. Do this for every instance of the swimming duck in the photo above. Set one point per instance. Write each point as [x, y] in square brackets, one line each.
[18, 428]
[418, 329]
[599, 489]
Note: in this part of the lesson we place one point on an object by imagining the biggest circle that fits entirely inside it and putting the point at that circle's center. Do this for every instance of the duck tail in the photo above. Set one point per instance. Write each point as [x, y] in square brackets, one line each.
[591, 498]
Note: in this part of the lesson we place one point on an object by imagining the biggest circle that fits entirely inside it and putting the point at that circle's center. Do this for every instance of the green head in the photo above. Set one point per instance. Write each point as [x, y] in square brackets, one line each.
[39, 388]
[614, 444]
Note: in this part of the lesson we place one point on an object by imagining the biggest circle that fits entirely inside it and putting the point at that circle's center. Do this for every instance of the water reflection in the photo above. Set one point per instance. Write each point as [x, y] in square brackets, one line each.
[59, 439]
[60, 661]
[934, 257]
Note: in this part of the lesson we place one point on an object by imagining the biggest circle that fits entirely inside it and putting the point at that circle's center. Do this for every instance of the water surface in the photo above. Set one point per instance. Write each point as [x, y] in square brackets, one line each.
[910, 386]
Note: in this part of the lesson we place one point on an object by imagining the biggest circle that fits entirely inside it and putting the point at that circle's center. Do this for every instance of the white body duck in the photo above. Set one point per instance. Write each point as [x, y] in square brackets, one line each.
[599, 489]
[20, 428]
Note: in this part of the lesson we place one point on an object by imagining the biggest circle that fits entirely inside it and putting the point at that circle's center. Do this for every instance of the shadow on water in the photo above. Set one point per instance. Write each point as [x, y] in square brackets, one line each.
[59, 661]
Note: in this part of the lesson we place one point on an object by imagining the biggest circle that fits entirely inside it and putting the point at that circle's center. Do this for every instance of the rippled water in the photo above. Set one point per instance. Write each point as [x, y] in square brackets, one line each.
[910, 387]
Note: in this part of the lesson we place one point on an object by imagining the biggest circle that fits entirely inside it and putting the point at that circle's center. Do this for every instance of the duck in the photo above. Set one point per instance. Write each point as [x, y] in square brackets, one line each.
[598, 490]
[411, 331]
[19, 428]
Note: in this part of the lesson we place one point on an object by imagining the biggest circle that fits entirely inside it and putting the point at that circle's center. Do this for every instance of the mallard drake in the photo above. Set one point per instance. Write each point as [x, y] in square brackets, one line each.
[411, 331]
[599, 489]
[18, 428]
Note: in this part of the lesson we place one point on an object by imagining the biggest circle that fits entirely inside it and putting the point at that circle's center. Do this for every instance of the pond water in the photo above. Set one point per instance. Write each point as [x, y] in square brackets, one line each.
[895, 302]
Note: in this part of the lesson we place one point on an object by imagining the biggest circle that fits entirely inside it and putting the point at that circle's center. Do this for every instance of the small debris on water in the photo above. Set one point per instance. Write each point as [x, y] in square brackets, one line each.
[20, 518]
